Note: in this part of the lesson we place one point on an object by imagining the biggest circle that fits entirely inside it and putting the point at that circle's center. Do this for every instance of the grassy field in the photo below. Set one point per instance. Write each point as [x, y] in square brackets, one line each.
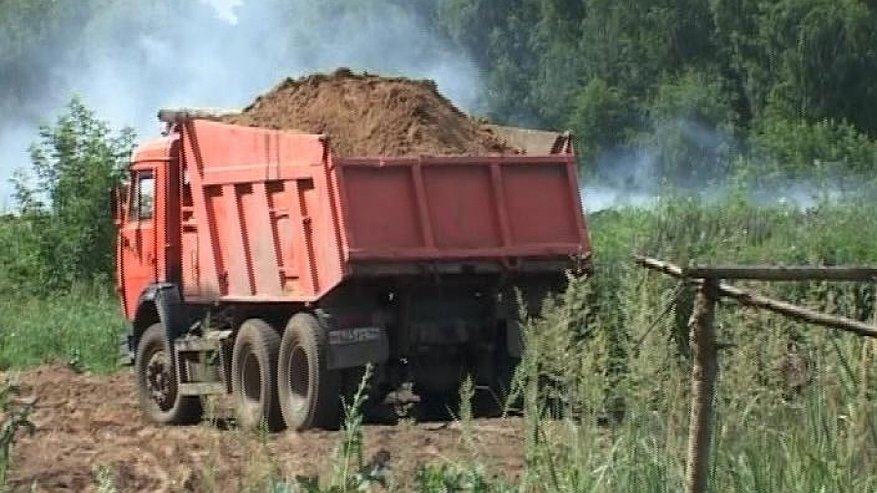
[605, 379]
[796, 409]
[80, 327]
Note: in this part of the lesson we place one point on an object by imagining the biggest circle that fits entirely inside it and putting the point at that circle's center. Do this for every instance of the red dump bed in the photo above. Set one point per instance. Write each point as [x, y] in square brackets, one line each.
[274, 216]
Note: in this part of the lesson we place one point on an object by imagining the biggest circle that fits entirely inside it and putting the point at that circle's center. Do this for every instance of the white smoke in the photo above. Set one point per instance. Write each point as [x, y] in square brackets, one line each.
[640, 175]
[223, 53]
[597, 198]
[801, 194]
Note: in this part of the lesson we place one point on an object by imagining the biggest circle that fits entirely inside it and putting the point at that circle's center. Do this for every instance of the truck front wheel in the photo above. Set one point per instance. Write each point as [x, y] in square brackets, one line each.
[157, 381]
[253, 377]
[309, 392]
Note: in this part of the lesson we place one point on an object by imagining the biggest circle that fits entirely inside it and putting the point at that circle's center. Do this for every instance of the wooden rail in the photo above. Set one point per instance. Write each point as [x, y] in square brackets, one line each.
[704, 373]
[756, 300]
[781, 273]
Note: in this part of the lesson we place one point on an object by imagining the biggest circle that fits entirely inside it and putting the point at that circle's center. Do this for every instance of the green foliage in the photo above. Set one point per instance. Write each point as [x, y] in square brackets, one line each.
[682, 81]
[691, 132]
[67, 211]
[80, 327]
[795, 403]
[819, 49]
[104, 479]
[450, 478]
[799, 59]
[57, 252]
[20, 254]
[14, 419]
[351, 471]
[695, 96]
[76, 165]
[806, 149]
[614, 71]
[600, 117]
[760, 89]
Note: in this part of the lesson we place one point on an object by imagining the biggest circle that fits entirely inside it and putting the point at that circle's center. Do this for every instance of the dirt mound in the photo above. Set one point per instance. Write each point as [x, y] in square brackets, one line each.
[368, 115]
[89, 425]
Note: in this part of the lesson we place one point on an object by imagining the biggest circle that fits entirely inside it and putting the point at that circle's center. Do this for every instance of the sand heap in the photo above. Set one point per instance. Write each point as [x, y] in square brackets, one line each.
[368, 115]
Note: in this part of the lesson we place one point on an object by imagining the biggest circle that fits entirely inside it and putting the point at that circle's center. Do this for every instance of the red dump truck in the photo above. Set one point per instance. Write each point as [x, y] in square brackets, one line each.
[257, 262]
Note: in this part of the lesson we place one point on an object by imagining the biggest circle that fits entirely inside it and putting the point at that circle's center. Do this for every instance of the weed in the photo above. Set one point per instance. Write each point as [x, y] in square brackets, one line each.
[80, 327]
[104, 479]
[604, 378]
[14, 419]
[351, 473]
[449, 478]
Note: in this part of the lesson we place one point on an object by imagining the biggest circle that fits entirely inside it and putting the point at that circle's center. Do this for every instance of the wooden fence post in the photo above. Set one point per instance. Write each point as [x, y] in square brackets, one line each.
[703, 345]
[703, 384]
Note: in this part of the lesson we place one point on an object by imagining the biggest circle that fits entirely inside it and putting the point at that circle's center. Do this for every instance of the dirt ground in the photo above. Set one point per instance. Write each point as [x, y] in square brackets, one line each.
[85, 423]
[369, 115]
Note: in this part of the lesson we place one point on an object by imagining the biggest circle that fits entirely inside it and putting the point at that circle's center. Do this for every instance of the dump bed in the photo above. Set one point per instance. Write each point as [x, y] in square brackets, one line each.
[274, 216]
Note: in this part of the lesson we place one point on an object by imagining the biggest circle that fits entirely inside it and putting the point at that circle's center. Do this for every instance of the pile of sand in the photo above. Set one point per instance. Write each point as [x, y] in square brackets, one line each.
[368, 115]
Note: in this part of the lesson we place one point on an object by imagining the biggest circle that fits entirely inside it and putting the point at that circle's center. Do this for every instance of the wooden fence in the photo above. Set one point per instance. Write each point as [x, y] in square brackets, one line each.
[703, 340]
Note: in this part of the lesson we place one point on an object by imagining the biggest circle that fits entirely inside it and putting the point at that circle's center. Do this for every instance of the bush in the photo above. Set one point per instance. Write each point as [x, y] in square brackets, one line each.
[57, 250]
[692, 132]
[64, 232]
[600, 118]
[826, 148]
[795, 409]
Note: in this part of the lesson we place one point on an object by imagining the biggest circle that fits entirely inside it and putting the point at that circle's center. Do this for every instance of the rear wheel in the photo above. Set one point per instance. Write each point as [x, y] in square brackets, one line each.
[253, 378]
[157, 390]
[308, 390]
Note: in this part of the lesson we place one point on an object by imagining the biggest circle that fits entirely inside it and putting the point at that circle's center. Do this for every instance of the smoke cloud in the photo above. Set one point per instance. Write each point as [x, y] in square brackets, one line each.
[128, 62]
[223, 53]
[680, 157]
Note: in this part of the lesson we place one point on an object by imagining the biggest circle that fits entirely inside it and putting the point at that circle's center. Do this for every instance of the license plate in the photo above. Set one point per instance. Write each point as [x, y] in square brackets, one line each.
[354, 336]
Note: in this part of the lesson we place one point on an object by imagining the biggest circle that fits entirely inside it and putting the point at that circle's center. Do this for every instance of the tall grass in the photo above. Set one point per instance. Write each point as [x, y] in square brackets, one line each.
[80, 327]
[795, 403]
[604, 380]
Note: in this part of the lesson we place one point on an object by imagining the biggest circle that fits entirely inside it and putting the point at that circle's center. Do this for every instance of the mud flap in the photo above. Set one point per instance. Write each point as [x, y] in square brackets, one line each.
[126, 350]
[165, 298]
[349, 348]
[170, 310]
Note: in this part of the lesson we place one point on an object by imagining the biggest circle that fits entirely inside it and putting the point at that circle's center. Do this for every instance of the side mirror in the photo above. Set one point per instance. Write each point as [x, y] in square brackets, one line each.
[120, 193]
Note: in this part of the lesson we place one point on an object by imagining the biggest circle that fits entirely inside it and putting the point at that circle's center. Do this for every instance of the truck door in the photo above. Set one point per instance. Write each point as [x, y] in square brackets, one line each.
[137, 238]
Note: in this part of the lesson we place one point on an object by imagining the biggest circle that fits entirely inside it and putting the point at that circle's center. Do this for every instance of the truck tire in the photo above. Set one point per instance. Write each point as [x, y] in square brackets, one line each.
[253, 377]
[309, 392]
[157, 382]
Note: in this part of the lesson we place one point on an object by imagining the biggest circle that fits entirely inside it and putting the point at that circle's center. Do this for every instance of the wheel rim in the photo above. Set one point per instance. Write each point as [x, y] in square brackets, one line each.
[251, 378]
[159, 380]
[299, 378]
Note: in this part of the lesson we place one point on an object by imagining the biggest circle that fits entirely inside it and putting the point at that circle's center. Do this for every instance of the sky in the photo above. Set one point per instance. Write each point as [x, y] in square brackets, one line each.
[225, 8]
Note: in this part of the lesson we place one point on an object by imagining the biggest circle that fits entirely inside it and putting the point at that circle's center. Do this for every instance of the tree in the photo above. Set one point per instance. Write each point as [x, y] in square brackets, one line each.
[66, 209]
[692, 134]
[803, 58]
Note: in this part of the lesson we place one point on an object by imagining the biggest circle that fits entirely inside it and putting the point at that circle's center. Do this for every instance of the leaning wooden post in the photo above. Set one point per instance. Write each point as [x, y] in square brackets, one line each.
[703, 384]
